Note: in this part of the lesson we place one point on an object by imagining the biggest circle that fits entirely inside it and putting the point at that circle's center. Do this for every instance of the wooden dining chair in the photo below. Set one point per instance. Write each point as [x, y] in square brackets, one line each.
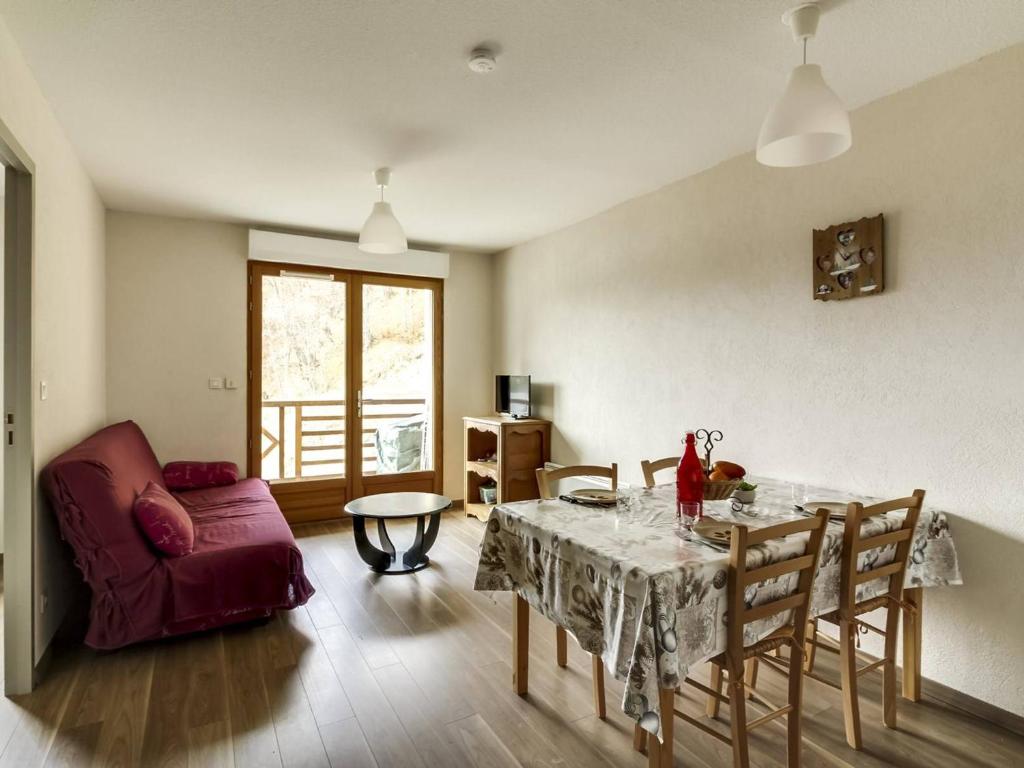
[545, 479]
[650, 467]
[730, 663]
[850, 609]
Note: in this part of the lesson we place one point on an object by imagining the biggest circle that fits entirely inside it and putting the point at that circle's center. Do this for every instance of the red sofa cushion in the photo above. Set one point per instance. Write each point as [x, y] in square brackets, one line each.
[244, 557]
[164, 521]
[244, 561]
[190, 475]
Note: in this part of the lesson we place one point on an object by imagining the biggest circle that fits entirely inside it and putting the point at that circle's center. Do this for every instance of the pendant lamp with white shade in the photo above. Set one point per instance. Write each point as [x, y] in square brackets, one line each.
[808, 124]
[382, 233]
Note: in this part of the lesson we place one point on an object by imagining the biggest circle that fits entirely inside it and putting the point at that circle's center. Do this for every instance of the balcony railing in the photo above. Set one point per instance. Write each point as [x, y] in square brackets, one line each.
[306, 438]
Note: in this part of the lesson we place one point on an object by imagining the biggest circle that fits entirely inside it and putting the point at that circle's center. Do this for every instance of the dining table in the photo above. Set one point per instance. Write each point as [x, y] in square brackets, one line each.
[649, 598]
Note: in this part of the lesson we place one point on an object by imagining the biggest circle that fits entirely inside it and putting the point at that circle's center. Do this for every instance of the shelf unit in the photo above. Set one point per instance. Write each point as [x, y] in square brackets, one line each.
[506, 451]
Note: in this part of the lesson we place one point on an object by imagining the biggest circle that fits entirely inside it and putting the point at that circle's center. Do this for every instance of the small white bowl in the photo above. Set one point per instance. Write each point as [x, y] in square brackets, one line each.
[744, 497]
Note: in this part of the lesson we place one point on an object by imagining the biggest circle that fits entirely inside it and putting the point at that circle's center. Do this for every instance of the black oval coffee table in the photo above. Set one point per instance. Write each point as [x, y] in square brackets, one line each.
[397, 506]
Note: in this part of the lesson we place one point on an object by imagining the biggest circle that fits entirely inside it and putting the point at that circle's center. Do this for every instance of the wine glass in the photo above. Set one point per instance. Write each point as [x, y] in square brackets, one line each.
[799, 491]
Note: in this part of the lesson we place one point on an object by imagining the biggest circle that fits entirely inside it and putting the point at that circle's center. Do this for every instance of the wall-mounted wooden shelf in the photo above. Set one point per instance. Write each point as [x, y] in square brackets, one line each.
[504, 451]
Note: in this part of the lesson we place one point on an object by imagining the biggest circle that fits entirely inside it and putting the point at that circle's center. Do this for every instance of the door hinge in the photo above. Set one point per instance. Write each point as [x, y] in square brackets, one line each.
[250, 306]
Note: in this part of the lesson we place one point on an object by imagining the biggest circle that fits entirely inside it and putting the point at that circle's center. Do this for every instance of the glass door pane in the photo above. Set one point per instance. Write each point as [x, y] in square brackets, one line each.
[397, 388]
[302, 416]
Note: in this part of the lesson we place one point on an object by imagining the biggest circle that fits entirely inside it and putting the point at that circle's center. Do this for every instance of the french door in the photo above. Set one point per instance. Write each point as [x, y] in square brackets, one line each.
[345, 385]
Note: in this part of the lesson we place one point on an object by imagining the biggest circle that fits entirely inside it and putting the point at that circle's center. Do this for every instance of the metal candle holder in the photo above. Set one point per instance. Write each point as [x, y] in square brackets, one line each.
[710, 438]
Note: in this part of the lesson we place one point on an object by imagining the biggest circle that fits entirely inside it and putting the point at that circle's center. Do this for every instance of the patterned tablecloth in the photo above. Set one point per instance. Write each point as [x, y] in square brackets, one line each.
[653, 605]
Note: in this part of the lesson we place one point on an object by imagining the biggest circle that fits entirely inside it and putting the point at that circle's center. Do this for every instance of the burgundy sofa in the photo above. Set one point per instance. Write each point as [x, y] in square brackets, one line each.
[244, 565]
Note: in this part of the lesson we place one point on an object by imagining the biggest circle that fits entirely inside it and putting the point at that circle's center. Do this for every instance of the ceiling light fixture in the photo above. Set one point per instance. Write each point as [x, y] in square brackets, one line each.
[382, 233]
[808, 124]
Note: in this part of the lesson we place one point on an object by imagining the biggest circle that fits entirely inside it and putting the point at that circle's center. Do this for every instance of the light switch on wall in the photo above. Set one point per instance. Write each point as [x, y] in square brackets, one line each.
[43, 390]
[217, 383]
[230, 384]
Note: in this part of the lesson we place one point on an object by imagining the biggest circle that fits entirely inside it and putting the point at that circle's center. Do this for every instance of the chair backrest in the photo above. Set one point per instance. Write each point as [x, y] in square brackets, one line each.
[854, 545]
[650, 467]
[740, 577]
[545, 477]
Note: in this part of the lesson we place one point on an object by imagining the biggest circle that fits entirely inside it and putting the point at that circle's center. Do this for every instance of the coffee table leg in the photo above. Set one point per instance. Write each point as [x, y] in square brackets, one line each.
[385, 541]
[432, 528]
[417, 554]
[372, 556]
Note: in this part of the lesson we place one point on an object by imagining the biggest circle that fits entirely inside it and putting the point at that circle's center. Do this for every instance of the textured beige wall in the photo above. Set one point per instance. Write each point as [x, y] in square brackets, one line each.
[68, 309]
[468, 381]
[177, 317]
[690, 307]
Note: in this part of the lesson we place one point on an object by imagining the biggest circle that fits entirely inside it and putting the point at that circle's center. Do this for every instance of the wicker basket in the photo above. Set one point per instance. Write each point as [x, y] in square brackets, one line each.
[715, 490]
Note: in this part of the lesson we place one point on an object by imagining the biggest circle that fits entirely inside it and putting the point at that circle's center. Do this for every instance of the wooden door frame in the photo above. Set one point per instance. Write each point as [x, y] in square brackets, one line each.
[395, 482]
[20, 488]
[323, 499]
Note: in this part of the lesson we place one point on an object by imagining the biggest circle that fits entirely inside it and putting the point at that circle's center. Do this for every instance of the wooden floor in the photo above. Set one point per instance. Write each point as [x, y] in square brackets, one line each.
[407, 671]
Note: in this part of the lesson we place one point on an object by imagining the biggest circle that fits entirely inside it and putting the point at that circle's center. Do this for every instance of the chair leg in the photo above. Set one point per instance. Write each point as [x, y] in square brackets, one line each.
[716, 685]
[810, 646]
[561, 647]
[598, 668]
[750, 676]
[639, 738]
[796, 690]
[892, 622]
[848, 669]
[738, 718]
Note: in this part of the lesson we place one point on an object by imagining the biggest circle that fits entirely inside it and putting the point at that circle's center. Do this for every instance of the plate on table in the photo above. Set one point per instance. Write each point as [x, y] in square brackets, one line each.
[714, 531]
[601, 497]
[836, 509]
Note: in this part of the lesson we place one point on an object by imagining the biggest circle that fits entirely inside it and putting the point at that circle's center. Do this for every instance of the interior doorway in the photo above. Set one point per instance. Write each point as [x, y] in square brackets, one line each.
[17, 469]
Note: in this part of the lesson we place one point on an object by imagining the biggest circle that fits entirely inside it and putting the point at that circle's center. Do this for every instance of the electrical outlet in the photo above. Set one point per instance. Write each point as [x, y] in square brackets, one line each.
[216, 383]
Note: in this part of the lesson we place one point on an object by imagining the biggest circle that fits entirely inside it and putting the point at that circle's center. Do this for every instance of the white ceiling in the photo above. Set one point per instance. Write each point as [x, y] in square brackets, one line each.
[278, 112]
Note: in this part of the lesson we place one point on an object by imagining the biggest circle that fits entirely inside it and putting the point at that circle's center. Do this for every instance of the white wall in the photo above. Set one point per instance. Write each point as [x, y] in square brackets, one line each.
[177, 316]
[68, 308]
[691, 307]
[468, 381]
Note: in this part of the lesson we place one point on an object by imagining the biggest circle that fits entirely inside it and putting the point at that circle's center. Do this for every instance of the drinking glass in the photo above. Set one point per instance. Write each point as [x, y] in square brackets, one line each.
[799, 494]
[689, 513]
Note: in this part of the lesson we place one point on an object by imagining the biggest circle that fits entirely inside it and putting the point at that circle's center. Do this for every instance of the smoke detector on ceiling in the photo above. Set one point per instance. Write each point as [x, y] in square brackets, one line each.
[482, 61]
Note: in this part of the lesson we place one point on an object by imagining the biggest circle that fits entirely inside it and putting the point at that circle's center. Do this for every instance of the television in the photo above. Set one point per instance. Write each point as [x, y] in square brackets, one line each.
[512, 396]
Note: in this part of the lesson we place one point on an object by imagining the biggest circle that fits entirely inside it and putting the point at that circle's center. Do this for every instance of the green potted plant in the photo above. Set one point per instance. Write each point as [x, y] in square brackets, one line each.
[744, 493]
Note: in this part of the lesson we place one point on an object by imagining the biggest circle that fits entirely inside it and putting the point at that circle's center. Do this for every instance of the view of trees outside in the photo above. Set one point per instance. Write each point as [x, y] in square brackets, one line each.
[303, 339]
[304, 354]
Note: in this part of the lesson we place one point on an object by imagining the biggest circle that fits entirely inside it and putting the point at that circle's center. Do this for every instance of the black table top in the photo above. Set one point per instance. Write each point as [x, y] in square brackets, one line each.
[398, 505]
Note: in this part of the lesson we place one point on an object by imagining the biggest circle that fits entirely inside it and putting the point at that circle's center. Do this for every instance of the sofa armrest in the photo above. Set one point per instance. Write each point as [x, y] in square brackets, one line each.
[192, 475]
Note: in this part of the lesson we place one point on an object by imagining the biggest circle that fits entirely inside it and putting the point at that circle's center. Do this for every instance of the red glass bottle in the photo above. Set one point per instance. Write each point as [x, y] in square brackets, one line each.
[690, 476]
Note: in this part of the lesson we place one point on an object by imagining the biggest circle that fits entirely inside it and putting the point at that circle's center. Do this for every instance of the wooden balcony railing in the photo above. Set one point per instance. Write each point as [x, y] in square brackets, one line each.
[306, 438]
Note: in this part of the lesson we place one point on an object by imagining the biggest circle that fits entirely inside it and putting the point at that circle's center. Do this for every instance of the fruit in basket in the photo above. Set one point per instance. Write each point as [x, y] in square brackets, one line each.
[718, 475]
[728, 469]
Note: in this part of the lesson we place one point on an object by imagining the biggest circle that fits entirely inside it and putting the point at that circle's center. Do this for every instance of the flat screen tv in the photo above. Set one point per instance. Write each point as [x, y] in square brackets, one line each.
[512, 396]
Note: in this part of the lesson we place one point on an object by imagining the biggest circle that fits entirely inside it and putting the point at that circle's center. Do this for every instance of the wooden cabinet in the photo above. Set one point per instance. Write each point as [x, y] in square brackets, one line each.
[506, 452]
